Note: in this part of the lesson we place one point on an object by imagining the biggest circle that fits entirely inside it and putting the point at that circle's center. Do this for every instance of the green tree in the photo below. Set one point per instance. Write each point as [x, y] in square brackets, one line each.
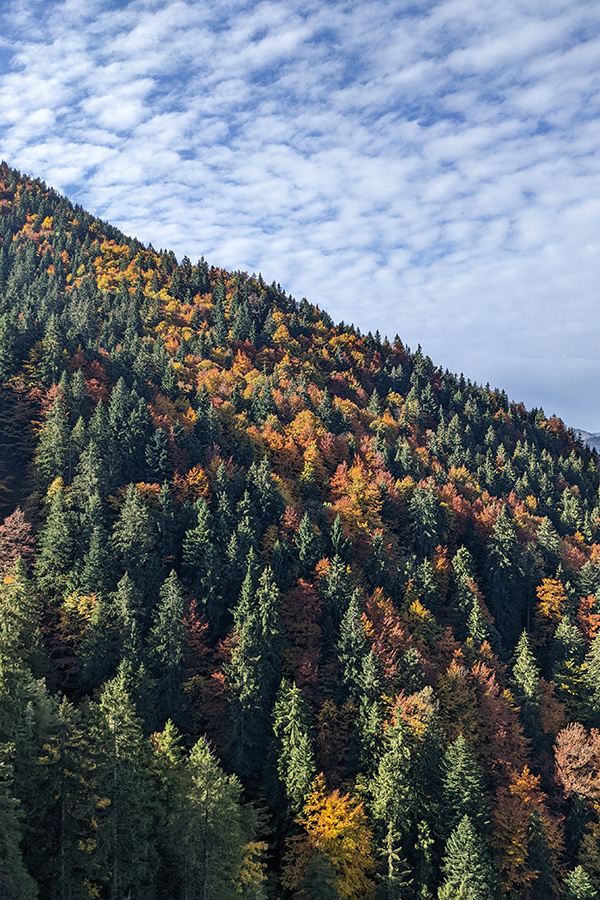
[124, 852]
[526, 685]
[254, 671]
[294, 745]
[463, 793]
[466, 866]
[578, 886]
[167, 649]
[15, 881]
[134, 541]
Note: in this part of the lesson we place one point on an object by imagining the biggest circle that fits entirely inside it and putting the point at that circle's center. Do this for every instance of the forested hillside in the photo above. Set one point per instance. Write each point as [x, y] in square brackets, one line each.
[286, 611]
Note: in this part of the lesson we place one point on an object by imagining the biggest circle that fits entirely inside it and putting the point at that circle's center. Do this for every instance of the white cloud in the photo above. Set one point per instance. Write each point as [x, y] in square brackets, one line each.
[429, 169]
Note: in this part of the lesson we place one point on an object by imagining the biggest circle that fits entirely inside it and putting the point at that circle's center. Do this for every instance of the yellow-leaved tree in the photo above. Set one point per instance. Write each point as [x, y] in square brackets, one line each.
[334, 829]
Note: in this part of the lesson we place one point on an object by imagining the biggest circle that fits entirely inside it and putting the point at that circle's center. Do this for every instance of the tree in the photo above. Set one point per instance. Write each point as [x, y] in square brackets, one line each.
[209, 832]
[16, 540]
[334, 826]
[202, 565]
[463, 793]
[121, 776]
[466, 866]
[526, 682]
[578, 886]
[293, 743]
[15, 881]
[134, 541]
[56, 546]
[254, 671]
[167, 649]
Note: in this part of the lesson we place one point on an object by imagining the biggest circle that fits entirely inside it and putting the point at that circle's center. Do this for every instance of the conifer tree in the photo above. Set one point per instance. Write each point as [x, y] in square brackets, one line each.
[56, 547]
[295, 759]
[526, 682]
[15, 882]
[202, 565]
[352, 647]
[468, 873]
[121, 775]
[254, 671]
[52, 448]
[463, 793]
[308, 545]
[578, 886]
[134, 541]
[167, 649]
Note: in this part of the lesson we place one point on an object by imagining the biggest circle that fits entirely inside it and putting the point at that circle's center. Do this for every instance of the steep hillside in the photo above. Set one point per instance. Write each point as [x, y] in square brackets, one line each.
[305, 617]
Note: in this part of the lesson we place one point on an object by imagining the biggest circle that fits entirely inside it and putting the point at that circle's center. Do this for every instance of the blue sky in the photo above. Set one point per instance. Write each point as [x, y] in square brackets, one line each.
[427, 168]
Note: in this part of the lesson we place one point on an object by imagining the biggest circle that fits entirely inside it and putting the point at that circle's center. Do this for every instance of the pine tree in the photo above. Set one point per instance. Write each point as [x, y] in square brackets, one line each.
[578, 886]
[56, 548]
[391, 788]
[217, 830]
[466, 866]
[167, 649]
[526, 682]
[352, 647]
[15, 881]
[53, 446]
[134, 541]
[294, 745]
[308, 545]
[121, 775]
[202, 565]
[463, 793]
[254, 671]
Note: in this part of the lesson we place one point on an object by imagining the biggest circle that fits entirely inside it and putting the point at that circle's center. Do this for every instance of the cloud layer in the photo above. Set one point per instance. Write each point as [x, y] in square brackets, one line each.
[430, 169]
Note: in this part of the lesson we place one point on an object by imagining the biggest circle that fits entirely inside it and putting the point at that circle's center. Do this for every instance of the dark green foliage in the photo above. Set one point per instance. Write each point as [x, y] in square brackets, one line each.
[294, 745]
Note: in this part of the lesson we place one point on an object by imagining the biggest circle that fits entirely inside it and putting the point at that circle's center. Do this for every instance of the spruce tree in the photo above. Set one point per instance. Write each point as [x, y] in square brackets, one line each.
[463, 793]
[526, 684]
[293, 745]
[122, 776]
[15, 882]
[167, 649]
[578, 886]
[467, 871]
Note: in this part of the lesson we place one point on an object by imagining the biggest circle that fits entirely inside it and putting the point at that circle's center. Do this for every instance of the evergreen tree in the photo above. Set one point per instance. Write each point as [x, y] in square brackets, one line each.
[578, 886]
[202, 565]
[295, 759]
[56, 548]
[134, 541]
[466, 866]
[15, 881]
[167, 643]
[307, 545]
[352, 647]
[526, 683]
[121, 775]
[463, 793]
[254, 671]
[53, 446]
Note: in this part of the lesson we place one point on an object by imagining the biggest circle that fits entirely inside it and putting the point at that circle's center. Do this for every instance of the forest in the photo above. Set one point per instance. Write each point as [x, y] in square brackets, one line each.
[287, 612]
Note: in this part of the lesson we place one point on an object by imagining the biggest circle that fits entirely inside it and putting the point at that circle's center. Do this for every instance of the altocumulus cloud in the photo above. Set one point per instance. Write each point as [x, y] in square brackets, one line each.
[423, 168]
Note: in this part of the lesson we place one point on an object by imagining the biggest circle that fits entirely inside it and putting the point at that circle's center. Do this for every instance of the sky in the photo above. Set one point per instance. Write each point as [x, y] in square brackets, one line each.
[424, 168]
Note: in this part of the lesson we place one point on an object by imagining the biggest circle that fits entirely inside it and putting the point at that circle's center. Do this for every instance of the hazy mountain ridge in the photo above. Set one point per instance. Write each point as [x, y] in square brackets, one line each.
[266, 547]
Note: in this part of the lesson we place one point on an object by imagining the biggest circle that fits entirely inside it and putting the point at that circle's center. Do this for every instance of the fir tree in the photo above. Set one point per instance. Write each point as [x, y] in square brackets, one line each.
[466, 866]
[295, 759]
[463, 793]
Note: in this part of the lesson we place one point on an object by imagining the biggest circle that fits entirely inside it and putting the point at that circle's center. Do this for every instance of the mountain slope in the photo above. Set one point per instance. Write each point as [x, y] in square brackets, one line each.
[309, 545]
